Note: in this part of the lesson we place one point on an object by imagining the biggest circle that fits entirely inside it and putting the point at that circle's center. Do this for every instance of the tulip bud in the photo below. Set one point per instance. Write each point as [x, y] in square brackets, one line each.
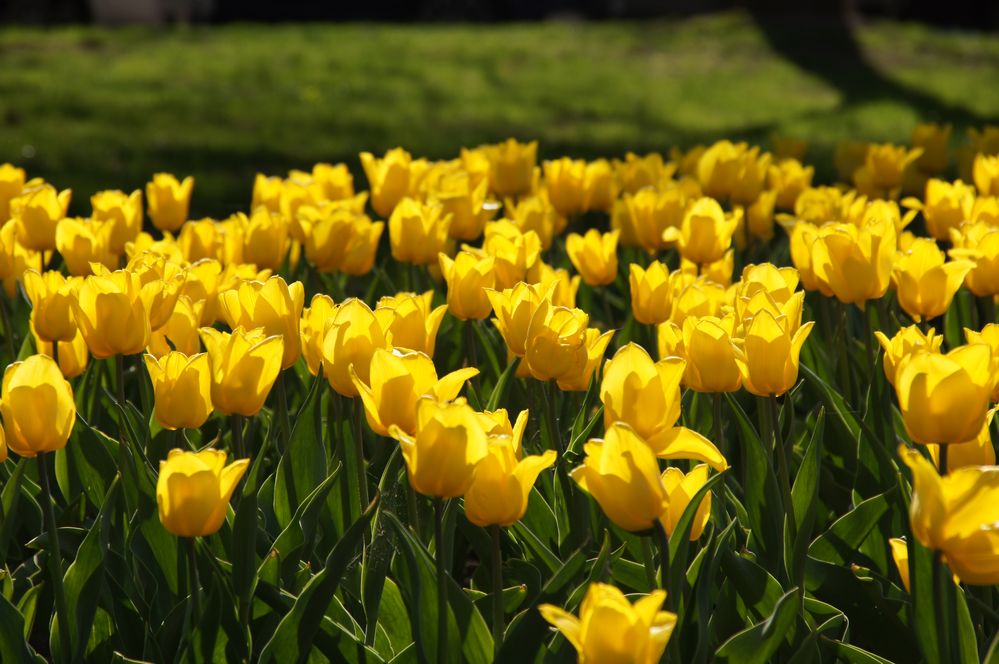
[464, 200]
[410, 321]
[36, 213]
[111, 314]
[273, 305]
[680, 490]
[514, 308]
[194, 489]
[12, 180]
[312, 330]
[82, 242]
[594, 256]
[51, 297]
[468, 276]
[182, 387]
[388, 178]
[418, 232]
[768, 358]
[37, 406]
[924, 282]
[536, 213]
[565, 184]
[73, 354]
[705, 233]
[168, 200]
[883, 168]
[123, 212]
[985, 172]
[651, 293]
[855, 263]
[351, 339]
[245, 365]
[265, 239]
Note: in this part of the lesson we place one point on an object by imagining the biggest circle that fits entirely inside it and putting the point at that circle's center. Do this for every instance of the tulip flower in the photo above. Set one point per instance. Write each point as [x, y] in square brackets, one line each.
[933, 139]
[555, 347]
[111, 314]
[900, 554]
[536, 213]
[768, 358]
[718, 167]
[706, 346]
[719, 272]
[193, 491]
[339, 239]
[652, 212]
[511, 166]
[397, 381]
[788, 178]
[418, 232]
[705, 233]
[594, 255]
[880, 175]
[907, 341]
[168, 200]
[388, 178]
[564, 288]
[36, 213]
[695, 298]
[944, 398]
[37, 406]
[924, 281]
[273, 305]
[516, 252]
[978, 242]
[599, 187]
[680, 490]
[245, 365]
[985, 172]
[595, 344]
[82, 242]
[410, 321]
[637, 172]
[612, 629]
[312, 330]
[759, 217]
[514, 308]
[72, 354]
[651, 292]
[565, 183]
[854, 263]
[468, 276]
[51, 297]
[181, 331]
[334, 180]
[448, 444]
[123, 212]
[182, 388]
[352, 337]
[464, 200]
[944, 206]
[265, 239]
[977, 452]
[956, 515]
[12, 180]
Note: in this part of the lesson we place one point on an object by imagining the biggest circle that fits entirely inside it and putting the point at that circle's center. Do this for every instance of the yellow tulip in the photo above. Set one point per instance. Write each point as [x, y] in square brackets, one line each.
[334, 181]
[14, 258]
[201, 239]
[36, 213]
[933, 139]
[759, 217]
[37, 406]
[352, 337]
[82, 242]
[779, 282]
[465, 201]
[977, 452]
[880, 175]
[699, 298]
[789, 312]
[448, 444]
[594, 255]
[514, 308]
[988, 335]
[362, 246]
[680, 490]
[955, 515]
[612, 629]
[410, 321]
[169, 200]
[536, 213]
[564, 288]
[720, 272]
[312, 330]
[266, 192]
[907, 341]
[111, 314]
[788, 178]
[651, 212]
[637, 172]
[705, 233]
[900, 554]
[944, 398]
[924, 281]
[718, 167]
[511, 166]
[12, 181]
[388, 178]
[162, 283]
[418, 232]
[245, 364]
[397, 381]
[768, 359]
[986, 174]
[944, 206]
[181, 331]
[709, 353]
[854, 263]
[645, 395]
[273, 305]
[599, 186]
[194, 489]
[338, 239]
[265, 239]
[51, 297]
[595, 344]
[468, 276]
[565, 183]
[555, 347]
[73, 354]
[978, 242]
[124, 213]
[182, 387]
[803, 235]
[516, 252]
[651, 292]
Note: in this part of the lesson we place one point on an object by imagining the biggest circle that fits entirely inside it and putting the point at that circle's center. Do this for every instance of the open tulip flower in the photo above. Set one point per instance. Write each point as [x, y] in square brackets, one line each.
[514, 308]
[273, 305]
[410, 321]
[854, 263]
[351, 338]
[907, 341]
[169, 200]
[112, 315]
[768, 354]
[245, 365]
[978, 242]
[594, 255]
[925, 282]
[193, 491]
[182, 387]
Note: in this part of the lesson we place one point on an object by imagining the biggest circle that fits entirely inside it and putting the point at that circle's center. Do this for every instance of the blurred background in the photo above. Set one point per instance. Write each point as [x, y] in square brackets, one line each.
[99, 94]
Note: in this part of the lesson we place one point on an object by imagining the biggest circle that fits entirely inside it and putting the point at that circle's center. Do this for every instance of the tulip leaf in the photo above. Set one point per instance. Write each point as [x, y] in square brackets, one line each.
[805, 498]
[8, 499]
[486, 345]
[13, 647]
[303, 463]
[300, 532]
[757, 644]
[533, 543]
[854, 655]
[759, 590]
[966, 641]
[379, 554]
[502, 385]
[839, 545]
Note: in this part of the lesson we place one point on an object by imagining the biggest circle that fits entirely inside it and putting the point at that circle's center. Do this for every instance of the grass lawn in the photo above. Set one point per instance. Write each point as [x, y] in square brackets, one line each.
[94, 108]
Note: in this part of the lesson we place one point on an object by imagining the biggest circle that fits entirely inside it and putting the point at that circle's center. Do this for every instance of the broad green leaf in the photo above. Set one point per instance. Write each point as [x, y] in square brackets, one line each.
[757, 644]
[840, 543]
[13, 647]
[303, 464]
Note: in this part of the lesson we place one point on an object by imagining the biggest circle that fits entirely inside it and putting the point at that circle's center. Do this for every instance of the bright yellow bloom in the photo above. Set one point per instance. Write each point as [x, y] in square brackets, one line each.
[516, 252]
[599, 186]
[883, 168]
[768, 358]
[273, 305]
[944, 398]
[907, 341]
[789, 178]
[82, 242]
[37, 406]
[410, 321]
[448, 444]
[925, 282]
[956, 515]
[595, 345]
[514, 308]
[123, 211]
[933, 139]
[565, 183]
[854, 263]
[51, 297]
[612, 629]
[719, 167]
[193, 491]
[945, 206]
[706, 345]
[352, 337]
[651, 292]
[680, 490]
[900, 554]
[73, 355]
[338, 239]
[14, 258]
[36, 213]
[334, 181]
[803, 235]
[536, 213]
[468, 276]
[985, 172]
[162, 282]
[698, 297]
[181, 331]
[266, 192]
[705, 233]
[978, 242]
[594, 255]
[511, 166]
[182, 386]
[418, 232]
[397, 381]
[555, 346]
[759, 217]
[265, 239]
[650, 212]
[245, 365]
[169, 200]
[201, 239]
[465, 201]
[388, 178]
[111, 314]
[977, 452]
[564, 288]
[12, 181]
[312, 330]
[637, 172]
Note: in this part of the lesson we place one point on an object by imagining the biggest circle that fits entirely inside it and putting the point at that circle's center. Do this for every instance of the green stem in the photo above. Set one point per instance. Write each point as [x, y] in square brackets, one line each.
[717, 424]
[473, 354]
[783, 465]
[442, 647]
[650, 562]
[236, 428]
[548, 390]
[988, 309]
[498, 617]
[362, 474]
[55, 560]
[943, 600]
[663, 540]
[282, 392]
[194, 586]
[55, 353]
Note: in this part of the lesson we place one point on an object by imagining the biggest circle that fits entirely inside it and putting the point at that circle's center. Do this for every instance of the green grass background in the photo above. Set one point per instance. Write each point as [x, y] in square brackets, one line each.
[93, 108]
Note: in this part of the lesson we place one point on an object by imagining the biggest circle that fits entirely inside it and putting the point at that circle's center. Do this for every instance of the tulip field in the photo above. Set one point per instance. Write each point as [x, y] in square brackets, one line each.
[683, 406]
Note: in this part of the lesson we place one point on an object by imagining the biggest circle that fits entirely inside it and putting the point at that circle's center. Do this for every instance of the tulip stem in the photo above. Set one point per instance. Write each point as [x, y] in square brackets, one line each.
[988, 309]
[498, 617]
[650, 562]
[119, 367]
[236, 429]
[473, 354]
[282, 394]
[663, 539]
[55, 560]
[362, 475]
[783, 464]
[717, 425]
[194, 585]
[55, 352]
[8, 329]
[441, 581]
[943, 603]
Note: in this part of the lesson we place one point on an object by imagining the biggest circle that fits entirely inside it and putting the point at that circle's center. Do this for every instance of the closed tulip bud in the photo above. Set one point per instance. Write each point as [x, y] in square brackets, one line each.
[37, 406]
[594, 256]
[594, 345]
[978, 242]
[925, 282]
[267, 192]
[12, 180]
[514, 308]
[169, 200]
[646, 395]
[651, 293]
[111, 314]
[82, 242]
[637, 172]
[680, 490]
[612, 629]
[418, 232]
[652, 212]
[516, 252]
[788, 178]
[465, 201]
[956, 515]
[124, 213]
[944, 206]
[194, 489]
[180, 332]
[705, 233]
[944, 398]
[36, 213]
[352, 337]
[536, 213]
[273, 305]
[599, 186]
[710, 355]
[397, 381]
[511, 166]
[182, 387]
[245, 365]
[985, 172]
[312, 330]
[410, 321]
[556, 342]
[468, 276]
[900, 554]
[933, 139]
[565, 184]
[51, 297]
[768, 358]
[73, 354]
[388, 178]
[855, 263]
[907, 341]
[265, 239]
[503, 479]
[448, 444]
[881, 174]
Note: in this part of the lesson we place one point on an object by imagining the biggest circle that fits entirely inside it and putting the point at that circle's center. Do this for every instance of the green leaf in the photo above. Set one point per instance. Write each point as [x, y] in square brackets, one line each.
[500, 389]
[758, 589]
[805, 498]
[379, 554]
[303, 465]
[758, 643]
[13, 647]
[839, 544]
[966, 641]
[297, 537]
[854, 655]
